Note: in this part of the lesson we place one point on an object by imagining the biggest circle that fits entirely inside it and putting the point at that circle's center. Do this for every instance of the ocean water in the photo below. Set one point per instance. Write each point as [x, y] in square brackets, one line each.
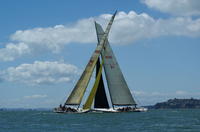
[151, 121]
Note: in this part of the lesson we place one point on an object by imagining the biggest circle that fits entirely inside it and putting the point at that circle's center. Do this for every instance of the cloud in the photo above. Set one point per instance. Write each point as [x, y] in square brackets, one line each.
[35, 96]
[54, 38]
[12, 51]
[41, 73]
[175, 7]
[131, 27]
[127, 29]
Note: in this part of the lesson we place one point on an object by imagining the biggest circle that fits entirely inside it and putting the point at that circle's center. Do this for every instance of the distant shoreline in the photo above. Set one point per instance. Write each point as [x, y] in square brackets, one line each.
[177, 104]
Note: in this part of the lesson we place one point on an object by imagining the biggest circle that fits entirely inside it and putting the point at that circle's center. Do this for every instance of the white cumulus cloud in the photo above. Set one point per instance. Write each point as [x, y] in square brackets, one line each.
[12, 51]
[131, 27]
[175, 7]
[40, 73]
[54, 38]
[127, 28]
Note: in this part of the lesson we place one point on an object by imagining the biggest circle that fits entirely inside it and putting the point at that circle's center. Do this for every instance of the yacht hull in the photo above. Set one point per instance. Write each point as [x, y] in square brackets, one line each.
[101, 111]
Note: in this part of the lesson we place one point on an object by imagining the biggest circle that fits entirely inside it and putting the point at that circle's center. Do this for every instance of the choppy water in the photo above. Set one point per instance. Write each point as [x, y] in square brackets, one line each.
[151, 121]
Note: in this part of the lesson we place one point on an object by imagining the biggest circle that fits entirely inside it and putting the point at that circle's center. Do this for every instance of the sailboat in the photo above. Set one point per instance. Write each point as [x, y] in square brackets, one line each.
[121, 99]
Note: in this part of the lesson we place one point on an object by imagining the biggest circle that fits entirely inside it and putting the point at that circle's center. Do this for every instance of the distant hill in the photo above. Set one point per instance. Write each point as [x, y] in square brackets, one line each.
[178, 104]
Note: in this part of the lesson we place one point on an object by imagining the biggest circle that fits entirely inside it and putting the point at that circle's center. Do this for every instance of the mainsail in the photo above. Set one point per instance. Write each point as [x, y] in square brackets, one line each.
[118, 88]
[79, 90]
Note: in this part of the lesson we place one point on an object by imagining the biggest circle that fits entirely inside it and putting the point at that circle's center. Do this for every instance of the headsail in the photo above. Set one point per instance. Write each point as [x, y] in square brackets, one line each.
[92, 94]
[118, 88]
[101, 100]
[79, 90]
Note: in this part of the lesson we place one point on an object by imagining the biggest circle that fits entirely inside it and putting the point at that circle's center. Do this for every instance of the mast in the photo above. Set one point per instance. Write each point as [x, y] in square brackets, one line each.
[77, 93]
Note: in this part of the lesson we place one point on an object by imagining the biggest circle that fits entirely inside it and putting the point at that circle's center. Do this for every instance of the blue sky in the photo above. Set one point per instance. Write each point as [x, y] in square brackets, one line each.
[45, 45]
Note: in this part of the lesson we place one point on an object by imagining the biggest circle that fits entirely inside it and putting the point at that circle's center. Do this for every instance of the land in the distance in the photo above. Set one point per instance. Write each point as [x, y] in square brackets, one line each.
[177, 104]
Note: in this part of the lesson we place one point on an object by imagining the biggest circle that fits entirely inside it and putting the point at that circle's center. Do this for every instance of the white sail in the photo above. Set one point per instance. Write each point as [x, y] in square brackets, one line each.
[119, 91]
